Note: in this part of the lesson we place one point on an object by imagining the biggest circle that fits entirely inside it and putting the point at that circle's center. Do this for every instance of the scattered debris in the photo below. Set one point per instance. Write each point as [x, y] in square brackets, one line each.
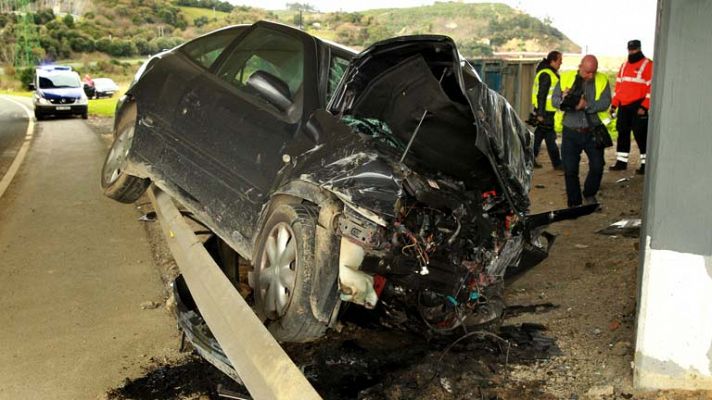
[622, 180]
[445, 383]
[598, 392]
[626, 227]
[148, 217]
[615, 324]
[621, 348]
[581, 246]
[540, 186]
[149, 305]
[516, 310]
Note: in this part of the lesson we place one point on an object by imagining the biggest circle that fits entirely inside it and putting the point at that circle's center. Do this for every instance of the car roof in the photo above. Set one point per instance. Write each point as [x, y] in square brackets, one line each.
[48, 70]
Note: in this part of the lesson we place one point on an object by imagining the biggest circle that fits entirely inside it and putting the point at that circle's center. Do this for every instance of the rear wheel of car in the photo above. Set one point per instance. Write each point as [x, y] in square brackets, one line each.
[284, 271]
[116, 183]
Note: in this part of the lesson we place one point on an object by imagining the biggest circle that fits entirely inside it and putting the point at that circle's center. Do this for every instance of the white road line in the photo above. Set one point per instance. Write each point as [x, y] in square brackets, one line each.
[15, 166]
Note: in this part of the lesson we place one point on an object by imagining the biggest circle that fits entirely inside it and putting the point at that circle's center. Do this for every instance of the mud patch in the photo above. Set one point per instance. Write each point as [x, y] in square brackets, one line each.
[367, 363]
[191, 377]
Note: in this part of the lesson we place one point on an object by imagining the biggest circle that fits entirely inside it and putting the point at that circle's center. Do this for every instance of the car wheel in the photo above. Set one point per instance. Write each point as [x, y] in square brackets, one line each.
[85, 115]
[39, 116]
[283, 273]
[115, 182]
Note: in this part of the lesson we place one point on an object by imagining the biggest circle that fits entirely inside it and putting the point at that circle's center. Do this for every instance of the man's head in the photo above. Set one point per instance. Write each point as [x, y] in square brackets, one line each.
[554, 59]
[588, 67]
[634, 46]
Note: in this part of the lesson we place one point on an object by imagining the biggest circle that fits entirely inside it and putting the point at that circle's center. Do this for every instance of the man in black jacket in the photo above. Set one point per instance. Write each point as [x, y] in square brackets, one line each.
[544, 82]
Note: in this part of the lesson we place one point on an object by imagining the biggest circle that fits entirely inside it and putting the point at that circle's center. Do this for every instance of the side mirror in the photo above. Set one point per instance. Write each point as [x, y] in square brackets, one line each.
[31, 86]
[272, 89]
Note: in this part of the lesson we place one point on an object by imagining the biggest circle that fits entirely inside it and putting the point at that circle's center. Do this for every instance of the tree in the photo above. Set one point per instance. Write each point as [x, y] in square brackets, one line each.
[301, 7]
[44, 16]
[201, 21]
[68, 21]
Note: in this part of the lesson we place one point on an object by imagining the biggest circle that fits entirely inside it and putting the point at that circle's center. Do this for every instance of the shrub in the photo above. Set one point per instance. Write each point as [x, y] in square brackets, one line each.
[68, 20]
[200, 21]
[81, 44]
[26, 76]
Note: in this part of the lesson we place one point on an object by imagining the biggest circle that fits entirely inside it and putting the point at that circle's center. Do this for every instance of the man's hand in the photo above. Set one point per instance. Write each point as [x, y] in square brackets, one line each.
[540, 118]
[642, 111]
[581, 104]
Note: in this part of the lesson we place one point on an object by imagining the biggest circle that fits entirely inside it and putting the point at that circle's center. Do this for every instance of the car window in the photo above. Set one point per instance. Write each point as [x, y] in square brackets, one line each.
[205, 50]
[337, 67]
[56, 81]
[270, 51]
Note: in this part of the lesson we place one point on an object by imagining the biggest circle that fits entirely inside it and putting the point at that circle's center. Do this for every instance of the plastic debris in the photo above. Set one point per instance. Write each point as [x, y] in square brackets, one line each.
[148, 217]
[625, 227]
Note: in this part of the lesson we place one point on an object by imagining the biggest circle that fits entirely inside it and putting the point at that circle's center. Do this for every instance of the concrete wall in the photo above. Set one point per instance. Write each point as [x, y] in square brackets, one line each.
[674, 332]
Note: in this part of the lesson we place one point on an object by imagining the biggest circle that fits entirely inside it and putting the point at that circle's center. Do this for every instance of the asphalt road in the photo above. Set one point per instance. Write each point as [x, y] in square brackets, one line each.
[75, 268]
[13, 124]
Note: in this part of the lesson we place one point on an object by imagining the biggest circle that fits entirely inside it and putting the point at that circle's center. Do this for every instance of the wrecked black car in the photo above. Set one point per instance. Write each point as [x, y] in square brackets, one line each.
[392, 178]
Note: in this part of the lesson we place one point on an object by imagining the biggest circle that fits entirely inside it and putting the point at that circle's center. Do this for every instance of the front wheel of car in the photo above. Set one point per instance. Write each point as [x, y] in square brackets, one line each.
[116, 183]
[284, 271]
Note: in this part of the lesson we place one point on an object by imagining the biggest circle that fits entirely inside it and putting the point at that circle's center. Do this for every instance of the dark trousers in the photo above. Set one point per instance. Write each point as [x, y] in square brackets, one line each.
[628, 119]
[572, 144]
[546, 133]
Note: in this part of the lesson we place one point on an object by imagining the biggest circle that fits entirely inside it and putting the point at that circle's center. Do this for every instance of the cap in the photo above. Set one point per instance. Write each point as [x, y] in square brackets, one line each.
[634, 44]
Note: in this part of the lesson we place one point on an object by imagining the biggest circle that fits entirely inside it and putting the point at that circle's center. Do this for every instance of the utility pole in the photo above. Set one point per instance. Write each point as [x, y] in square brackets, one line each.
[27, 37]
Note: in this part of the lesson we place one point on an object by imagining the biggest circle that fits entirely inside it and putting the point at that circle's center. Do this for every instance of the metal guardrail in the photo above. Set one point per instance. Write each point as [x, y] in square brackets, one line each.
[264, 367]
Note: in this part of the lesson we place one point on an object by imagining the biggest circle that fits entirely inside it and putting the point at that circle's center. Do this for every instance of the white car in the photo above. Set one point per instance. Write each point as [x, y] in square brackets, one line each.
[105, 87]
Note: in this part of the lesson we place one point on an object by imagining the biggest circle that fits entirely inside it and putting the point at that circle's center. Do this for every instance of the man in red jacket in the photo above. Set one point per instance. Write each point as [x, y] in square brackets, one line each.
[632, 99]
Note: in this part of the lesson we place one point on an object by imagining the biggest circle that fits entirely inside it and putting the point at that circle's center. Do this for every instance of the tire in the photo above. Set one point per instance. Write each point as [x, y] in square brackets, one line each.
[85, 115]
[115, 182]
[294, 321]
[39, 116]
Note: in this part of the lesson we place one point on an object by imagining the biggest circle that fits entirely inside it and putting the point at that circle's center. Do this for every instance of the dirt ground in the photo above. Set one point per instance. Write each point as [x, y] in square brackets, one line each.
[568, 334]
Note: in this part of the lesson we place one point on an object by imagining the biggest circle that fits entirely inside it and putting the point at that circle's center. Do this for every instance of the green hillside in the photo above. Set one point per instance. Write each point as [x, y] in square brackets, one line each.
[193, 14]
[100, 32]
[479, 29]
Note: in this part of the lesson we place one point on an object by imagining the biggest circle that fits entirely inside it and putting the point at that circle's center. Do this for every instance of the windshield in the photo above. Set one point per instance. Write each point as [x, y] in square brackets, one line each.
[59, 81]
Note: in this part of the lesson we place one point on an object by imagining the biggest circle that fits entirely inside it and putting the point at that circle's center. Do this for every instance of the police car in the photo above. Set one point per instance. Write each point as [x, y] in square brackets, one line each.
[58, 91]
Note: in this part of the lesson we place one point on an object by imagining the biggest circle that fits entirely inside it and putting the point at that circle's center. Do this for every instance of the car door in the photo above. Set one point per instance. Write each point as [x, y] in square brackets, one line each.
[242, 135]
[181, 108]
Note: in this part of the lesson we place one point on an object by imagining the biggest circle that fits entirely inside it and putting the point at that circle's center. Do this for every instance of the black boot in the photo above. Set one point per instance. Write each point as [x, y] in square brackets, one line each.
[641, 170]
[619, 166]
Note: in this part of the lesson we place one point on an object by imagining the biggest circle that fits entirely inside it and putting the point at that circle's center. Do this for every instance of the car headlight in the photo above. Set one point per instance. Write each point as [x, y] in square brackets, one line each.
[82, 100]
[41, 100]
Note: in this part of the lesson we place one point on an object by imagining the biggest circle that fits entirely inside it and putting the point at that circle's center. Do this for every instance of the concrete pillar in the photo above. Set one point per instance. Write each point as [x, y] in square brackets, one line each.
[674, 325]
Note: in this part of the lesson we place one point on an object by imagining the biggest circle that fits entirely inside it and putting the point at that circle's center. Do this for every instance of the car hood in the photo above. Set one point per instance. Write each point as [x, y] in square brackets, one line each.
[469, 131]
[61, 93]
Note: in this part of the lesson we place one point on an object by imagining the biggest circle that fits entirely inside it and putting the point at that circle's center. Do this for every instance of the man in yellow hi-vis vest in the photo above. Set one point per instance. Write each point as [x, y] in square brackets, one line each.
[547, 76]
[584, 96]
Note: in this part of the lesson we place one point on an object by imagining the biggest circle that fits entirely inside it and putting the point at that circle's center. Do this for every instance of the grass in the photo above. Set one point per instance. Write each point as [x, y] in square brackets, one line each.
[21, 93]
[103, 107]
[192, 13]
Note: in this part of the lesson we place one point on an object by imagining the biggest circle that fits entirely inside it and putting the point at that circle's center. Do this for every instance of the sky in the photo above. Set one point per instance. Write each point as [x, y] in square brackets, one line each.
[602, 27]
